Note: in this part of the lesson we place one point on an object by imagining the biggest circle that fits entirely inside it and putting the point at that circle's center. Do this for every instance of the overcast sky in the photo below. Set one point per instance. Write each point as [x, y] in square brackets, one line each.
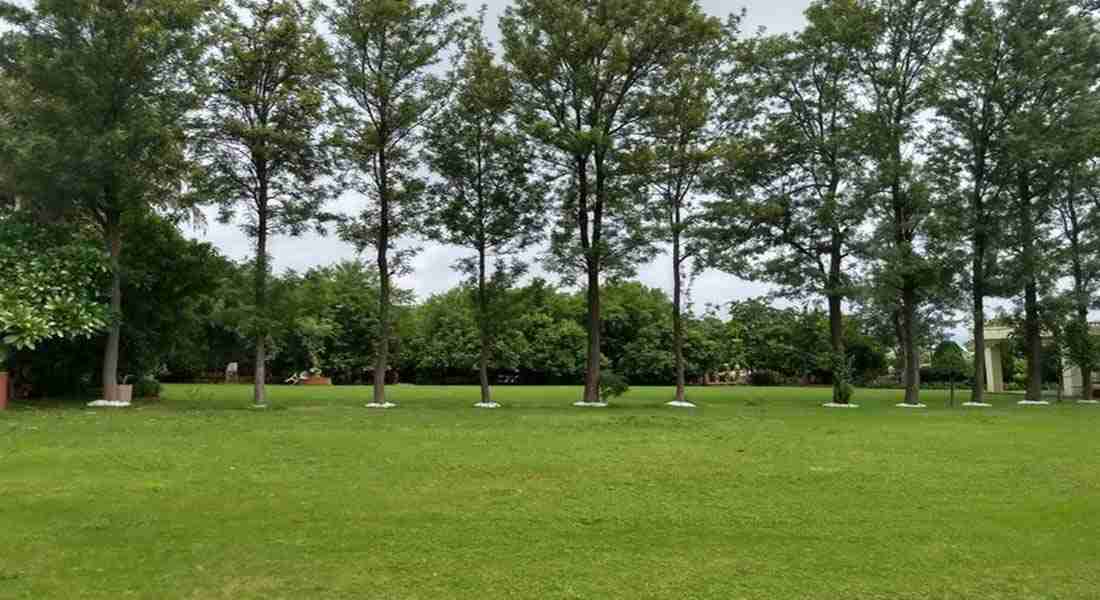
[432, 267]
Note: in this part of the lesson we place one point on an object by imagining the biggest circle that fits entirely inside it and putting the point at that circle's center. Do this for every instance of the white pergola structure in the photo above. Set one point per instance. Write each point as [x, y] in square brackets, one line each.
[996, 337]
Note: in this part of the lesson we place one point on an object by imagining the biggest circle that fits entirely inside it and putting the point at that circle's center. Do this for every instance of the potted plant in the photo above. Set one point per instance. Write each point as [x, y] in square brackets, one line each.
[315, 332]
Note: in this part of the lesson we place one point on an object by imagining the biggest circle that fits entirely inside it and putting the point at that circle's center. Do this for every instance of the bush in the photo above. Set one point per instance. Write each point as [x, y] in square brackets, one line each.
[765, 378]
[147, 387]
[612, 385]
[846, 392]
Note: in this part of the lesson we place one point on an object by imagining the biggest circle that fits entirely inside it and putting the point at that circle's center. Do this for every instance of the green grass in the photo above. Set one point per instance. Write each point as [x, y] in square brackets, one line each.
[759, 493]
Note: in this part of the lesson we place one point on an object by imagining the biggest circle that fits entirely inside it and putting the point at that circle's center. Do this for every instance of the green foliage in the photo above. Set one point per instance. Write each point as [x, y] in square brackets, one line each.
[487, 199]
[104, 90]
[949, 360]
[612, 385]
[260, 133]
[147, 387]
[385, 54]
[51, 275]
[314, 333]
[173, 285]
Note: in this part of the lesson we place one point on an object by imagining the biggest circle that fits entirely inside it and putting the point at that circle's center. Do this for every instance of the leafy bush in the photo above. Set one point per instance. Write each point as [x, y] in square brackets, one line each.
[147, 387]
[765, 377]
[846, 392]
[612, 385]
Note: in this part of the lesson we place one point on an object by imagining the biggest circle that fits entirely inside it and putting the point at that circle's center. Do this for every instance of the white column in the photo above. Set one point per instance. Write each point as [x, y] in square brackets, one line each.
[994, 377]
[1073, 381]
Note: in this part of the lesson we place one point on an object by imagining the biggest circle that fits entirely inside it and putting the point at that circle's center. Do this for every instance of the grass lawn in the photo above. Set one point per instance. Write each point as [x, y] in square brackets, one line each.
[760, 493]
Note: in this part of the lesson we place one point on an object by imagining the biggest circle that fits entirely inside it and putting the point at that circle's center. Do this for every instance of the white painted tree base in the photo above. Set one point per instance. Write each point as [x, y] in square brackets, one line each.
[381, 405]
[907, 405]
[590, 404]
[260, 406]
[679, 404]
[1088, 401]
[1033, 403]
[486, 405]
[977, 404]
[838, 405]
[109, 404]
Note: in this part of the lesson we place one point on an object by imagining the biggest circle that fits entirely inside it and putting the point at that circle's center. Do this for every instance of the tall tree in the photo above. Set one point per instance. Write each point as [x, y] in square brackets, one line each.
[386, 51]
[1053, 62]
[260, 140]
[1077, 206]
[582, 68]
[898, 76]
[487, 199]
[108, 85]
[680, 141]
[791, 193]
[967, 154]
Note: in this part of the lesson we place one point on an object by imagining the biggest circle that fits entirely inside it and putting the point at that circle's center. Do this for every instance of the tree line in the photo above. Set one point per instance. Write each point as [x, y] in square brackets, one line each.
[899, 157]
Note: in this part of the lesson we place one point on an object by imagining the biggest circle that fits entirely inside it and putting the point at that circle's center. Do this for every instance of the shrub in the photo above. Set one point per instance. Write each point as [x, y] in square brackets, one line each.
[612, 385]
[765, 378]
[147, 387]
[846, 392]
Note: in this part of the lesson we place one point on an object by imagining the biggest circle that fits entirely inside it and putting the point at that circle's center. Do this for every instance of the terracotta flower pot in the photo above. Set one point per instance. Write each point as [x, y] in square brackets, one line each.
[318, 380]
[3, 390]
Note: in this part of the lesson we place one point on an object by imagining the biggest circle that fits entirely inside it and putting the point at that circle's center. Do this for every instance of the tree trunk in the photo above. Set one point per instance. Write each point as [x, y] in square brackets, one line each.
[1082, 324]
[592, 371]
[1032, 328]
[113, 233]
[899, 333]
[677, 309]
[836, 325]
[836, 342]
[912, 354]
[1086, 369]
[259, 383]
[1034, 341]
[978, 394]
[483, 326]
[593, 262]
[381, 356]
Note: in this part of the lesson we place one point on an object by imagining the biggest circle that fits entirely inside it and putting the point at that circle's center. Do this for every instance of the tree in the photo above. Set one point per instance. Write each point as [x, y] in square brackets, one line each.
[948, 359]
[171, 283]
[1077, 205]
[968, 154]
[315, 333]
[790, 194]
[386, 51]
[680, 142]
[1053, 63]
[581, 70]
[898, 76]
[486, 199]
[106, 87]
[260, 141]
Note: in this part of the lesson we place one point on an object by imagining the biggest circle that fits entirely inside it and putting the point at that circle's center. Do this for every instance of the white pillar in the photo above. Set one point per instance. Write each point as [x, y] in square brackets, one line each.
[994, 376]
[1072, 380]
